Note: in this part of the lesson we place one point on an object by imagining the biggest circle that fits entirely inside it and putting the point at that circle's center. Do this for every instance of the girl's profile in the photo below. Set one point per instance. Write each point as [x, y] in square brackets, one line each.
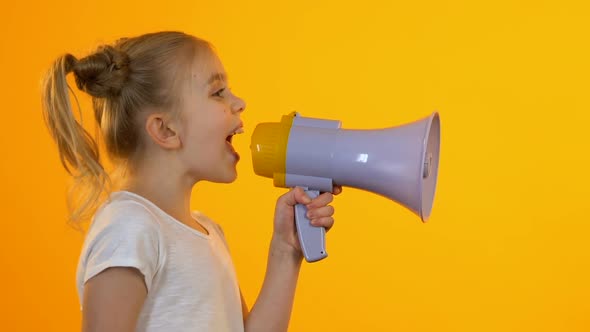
[166, 117]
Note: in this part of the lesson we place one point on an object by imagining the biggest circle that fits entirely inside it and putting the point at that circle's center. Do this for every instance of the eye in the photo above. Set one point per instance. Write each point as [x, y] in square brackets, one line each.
[219, 93]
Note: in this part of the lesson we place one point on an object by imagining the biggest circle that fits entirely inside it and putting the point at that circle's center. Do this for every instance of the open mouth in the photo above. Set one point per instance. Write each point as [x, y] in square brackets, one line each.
[230, 137]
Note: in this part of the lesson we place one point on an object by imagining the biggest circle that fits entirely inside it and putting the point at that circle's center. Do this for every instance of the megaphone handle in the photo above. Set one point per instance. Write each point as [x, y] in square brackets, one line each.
[312, 238]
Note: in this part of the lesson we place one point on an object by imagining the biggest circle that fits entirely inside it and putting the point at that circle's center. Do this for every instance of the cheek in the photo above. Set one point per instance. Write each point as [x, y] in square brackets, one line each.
[206, 136]
[206, 128]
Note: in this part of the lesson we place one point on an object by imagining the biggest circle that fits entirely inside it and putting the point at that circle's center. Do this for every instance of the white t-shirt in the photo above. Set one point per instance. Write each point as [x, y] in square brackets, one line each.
[191, 281]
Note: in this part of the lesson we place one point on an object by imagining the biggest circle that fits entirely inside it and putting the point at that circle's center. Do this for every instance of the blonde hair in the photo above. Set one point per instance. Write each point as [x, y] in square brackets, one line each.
[124, 78]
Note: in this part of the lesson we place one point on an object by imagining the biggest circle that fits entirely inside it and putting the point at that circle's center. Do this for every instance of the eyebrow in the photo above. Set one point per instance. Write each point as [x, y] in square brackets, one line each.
[217, 77]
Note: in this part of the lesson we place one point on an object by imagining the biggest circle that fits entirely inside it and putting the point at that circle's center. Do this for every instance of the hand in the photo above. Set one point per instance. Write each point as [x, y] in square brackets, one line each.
[285, 232]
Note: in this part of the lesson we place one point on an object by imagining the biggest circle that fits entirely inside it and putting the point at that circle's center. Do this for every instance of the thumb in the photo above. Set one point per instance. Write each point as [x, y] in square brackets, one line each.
[295, 196]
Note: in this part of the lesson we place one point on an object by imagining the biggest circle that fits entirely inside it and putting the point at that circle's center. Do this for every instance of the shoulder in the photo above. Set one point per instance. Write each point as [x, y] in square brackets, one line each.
[123, 233]
[126, 214]
[122, 219]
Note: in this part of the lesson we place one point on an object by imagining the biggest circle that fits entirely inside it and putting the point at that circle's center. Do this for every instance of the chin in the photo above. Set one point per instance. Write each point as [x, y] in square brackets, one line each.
[227, 177]
[230, 179]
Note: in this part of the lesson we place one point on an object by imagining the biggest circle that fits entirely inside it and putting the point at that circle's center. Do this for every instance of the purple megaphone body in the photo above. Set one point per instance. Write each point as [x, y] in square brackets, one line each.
[400, 163]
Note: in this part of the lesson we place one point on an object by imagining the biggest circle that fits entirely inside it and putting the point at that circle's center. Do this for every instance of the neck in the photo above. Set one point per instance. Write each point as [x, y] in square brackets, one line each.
[169, 193]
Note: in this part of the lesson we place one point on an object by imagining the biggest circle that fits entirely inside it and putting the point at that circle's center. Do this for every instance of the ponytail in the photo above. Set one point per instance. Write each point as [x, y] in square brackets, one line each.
[78, 151]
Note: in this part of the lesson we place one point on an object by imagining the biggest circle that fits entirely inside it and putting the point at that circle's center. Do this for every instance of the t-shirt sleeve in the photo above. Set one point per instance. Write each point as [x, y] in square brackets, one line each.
[124, 234]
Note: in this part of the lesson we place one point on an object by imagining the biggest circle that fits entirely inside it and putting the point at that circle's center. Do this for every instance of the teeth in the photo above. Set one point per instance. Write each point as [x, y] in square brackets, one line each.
[239, 131]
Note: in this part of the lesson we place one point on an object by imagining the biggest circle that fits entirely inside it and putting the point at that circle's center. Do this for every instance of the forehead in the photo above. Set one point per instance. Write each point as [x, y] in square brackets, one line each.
[207, 69]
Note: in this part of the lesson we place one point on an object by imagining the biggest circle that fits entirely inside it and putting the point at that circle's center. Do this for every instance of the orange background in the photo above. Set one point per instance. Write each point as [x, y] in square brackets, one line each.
[507, 247]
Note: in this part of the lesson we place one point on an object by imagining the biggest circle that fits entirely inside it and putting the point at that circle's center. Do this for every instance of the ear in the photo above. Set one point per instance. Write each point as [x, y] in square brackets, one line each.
[163, 131]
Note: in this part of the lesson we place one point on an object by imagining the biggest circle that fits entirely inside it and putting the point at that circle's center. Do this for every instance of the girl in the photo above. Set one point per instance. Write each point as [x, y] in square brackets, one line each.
[167, 118]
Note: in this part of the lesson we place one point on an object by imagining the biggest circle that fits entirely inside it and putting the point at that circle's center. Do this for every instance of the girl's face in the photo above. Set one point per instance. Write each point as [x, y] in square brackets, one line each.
[210, 116]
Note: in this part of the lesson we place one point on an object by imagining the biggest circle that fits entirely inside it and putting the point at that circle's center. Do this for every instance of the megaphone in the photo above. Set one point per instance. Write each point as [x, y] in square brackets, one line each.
[400, 163]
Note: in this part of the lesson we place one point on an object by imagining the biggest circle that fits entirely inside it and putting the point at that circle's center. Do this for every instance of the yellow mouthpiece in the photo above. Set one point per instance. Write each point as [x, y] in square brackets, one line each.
[269, 149]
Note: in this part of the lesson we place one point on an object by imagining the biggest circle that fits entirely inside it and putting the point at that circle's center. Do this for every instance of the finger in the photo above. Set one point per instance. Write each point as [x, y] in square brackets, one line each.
[337, 190]
[326, 222]
[294, 196]
[321, 212]
[321, 200]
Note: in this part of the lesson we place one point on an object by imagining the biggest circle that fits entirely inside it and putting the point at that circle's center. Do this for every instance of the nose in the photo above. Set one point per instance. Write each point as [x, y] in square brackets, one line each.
[239, 105]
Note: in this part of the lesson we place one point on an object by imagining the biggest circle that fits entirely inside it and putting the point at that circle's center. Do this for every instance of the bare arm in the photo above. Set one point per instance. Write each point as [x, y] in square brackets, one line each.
[113, 300]
[272, 310]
